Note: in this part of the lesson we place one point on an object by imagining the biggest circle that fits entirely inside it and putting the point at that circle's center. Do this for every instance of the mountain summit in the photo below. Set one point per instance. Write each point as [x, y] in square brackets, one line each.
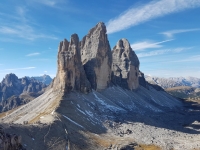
[100, 100]
[90, 64]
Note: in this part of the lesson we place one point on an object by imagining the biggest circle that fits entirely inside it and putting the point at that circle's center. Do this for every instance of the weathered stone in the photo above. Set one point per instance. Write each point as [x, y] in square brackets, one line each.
[70, 75]
[142, 80]
[125, 66]
[96, 57]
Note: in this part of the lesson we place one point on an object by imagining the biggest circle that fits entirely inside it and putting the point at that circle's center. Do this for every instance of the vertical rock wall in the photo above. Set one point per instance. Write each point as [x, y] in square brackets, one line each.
[125, 66]
[88, 64]
[70, 73]
[96, 57]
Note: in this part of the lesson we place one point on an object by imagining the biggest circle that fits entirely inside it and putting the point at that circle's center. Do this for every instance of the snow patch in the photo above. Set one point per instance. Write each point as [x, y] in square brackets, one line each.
[81, 111]
[73, 121]
[102, 102]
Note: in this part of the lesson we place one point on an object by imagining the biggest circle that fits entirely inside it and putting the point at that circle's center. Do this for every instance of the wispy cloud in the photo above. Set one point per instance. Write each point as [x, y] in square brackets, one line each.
[21, 11]
[33, 54]
[161, 52]
[50, 3]
[147, 44]
[41, 59]
[171, 33]
[154, 9]
[195, 58]
[22, 31]
[17, 25]
[26, 68]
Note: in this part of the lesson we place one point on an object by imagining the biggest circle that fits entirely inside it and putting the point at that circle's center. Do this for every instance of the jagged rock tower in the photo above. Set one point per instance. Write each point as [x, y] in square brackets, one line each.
[88, 64]
[70, 73]
[125, 66]
[96, 57]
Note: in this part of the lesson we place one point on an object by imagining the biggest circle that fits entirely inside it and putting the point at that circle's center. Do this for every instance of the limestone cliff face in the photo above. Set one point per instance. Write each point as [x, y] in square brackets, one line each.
[89, 64]
[96, 57]
[125, 66]
[70, 74]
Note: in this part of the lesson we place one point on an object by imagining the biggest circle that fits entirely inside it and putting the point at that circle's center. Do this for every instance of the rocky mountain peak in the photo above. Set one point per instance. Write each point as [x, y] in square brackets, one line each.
[100, 28]
[74, 40]
[125, 65]
[91, 60]
[123, 44]
[63, 45]
[96, 57]
[10, 79]
[70, 75]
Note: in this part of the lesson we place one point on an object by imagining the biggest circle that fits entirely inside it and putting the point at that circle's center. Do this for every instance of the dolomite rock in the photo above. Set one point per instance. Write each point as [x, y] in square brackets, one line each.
[142, 80]
[125, 66]
[70, 75]
[96, 57]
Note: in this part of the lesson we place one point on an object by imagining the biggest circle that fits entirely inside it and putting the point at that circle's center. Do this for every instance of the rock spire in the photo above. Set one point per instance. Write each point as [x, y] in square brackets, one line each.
[90, 64]
[70, 74]
[125, 65]
[96, 57]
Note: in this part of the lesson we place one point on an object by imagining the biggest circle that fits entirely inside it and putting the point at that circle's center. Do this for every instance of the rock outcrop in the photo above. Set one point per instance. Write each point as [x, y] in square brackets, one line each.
[125, 66]
[96, 57]
[89, 64]
[70, 74]
[142, 80]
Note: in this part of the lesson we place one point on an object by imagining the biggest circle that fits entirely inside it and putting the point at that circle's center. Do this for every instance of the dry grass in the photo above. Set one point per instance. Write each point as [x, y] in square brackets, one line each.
[147, 147]
[99, 140]
[178, 88]
[3, 114]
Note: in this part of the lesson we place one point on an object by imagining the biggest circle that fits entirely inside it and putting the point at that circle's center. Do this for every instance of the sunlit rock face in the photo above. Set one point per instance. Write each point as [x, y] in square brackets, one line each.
[96, 57]
[90, 63]
[70, 74]
[125, 65]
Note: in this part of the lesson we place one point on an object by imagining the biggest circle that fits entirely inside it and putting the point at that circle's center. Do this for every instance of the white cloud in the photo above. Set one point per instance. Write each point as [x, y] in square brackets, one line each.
[161, 52]
[50, 3]
[154, 9]
[147, 44]
[24, 31]
[21, 11]
[171, 33]
[33, 54]
[26, 68]
[18, 26]
[195, 58]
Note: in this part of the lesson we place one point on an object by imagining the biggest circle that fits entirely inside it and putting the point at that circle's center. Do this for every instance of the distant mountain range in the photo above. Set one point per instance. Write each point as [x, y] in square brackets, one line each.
[174, 81]
[46, 79]
[186, 88]
[16, 91]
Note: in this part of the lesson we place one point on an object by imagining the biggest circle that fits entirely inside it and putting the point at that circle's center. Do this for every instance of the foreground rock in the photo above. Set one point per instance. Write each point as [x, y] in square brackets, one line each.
[10, 141]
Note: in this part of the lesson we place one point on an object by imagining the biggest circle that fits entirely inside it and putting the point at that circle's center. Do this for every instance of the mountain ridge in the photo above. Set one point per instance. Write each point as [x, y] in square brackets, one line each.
[97, 103]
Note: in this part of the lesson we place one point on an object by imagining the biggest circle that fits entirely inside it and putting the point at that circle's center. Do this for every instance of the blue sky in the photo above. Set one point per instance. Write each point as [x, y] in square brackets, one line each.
[163, 33]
